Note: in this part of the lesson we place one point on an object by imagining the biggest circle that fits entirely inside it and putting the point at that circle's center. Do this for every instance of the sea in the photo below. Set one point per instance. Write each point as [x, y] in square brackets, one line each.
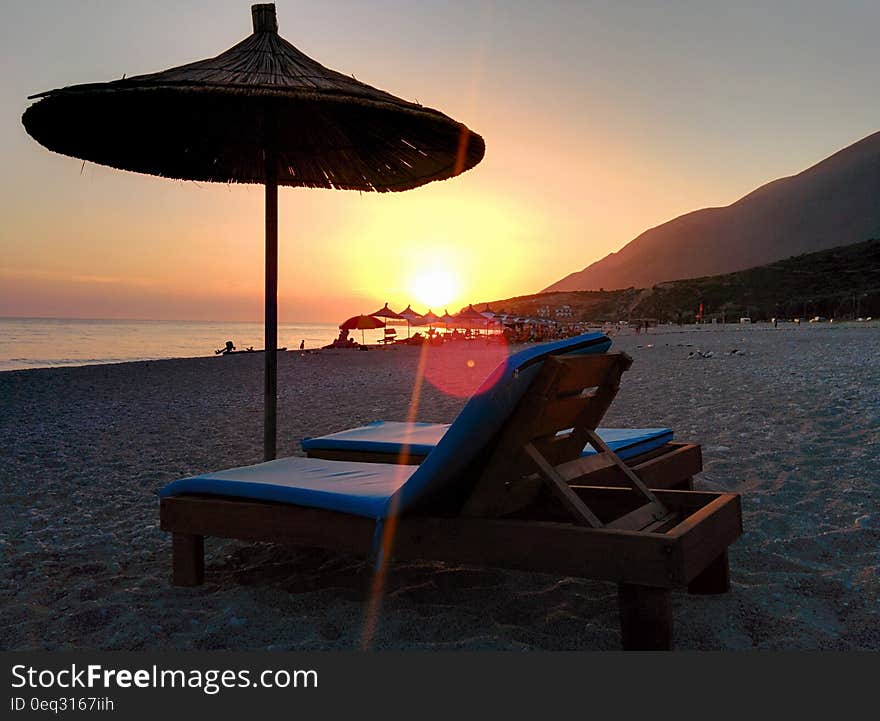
[54, 342]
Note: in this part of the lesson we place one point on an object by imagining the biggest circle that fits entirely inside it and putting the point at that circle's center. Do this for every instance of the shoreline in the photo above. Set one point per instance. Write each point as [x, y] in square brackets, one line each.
[621, 332]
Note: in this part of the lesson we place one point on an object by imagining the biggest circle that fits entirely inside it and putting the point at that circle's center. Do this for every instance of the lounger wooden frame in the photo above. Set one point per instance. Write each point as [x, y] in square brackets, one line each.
[529, 509]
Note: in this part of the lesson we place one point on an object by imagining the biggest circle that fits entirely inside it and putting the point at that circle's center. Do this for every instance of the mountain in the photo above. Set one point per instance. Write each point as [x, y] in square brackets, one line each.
[840, 283]
[833, 203]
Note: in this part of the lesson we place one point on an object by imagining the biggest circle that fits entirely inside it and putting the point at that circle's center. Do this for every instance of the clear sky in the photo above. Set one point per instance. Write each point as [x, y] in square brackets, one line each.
[601, 119]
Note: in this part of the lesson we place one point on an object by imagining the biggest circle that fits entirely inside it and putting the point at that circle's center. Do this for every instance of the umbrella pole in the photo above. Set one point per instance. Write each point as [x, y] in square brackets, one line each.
[270, 379]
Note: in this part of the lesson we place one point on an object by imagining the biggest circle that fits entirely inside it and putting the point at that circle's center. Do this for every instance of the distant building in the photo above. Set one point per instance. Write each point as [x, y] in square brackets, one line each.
[543, 311]
[564, 311]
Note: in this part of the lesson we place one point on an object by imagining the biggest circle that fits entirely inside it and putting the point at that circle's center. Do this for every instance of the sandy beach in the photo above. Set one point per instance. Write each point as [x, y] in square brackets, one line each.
[791, 421]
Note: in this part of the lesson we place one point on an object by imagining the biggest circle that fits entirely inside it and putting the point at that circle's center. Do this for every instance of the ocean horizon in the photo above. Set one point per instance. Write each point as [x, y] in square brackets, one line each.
[58, 342]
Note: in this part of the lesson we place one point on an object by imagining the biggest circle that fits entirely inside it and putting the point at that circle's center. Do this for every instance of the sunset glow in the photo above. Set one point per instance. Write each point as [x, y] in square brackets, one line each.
[435, 288]
[578, 161]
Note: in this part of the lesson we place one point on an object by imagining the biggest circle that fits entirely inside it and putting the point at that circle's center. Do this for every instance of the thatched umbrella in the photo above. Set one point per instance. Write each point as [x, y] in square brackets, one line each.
[429, 319]
[388, 314]
[410, 316]
[469, 316]
[261, 112]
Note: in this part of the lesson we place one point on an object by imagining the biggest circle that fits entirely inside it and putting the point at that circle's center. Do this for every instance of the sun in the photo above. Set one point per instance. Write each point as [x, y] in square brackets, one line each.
[434, 288]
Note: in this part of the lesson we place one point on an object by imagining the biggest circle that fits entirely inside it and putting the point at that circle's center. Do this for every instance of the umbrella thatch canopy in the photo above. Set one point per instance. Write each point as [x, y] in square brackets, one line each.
[386, 312]
[470, 316]
[261, 112]
[429, 318]
[409, 314]
[221, 120]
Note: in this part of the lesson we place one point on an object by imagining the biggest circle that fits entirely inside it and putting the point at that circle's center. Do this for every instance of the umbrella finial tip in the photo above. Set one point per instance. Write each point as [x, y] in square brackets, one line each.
[264, 18]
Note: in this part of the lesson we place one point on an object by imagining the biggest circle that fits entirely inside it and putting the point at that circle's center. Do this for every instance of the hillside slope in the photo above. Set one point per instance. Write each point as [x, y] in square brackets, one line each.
[833, 203]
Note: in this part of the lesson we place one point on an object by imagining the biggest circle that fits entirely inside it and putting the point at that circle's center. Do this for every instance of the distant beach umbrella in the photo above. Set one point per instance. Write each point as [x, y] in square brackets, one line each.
[361, 323]
[261, 112]
[447, 319]
[411, 317]
[470, 313]
[470, 316]
[492, 318]
[386, 312]
[429, 319]
[389, 315]
[409, 314]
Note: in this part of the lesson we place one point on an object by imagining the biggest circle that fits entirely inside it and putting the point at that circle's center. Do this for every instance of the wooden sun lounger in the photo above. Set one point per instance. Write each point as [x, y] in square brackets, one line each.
[527, 509]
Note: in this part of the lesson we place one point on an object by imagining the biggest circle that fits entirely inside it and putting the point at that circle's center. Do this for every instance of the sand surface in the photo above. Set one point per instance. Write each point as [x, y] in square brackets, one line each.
[792, 422]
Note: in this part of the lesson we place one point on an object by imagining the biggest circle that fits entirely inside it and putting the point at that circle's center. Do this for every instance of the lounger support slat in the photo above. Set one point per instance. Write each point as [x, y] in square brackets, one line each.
[602, 447]
[569, 499]
[583, 466]
[643, 518]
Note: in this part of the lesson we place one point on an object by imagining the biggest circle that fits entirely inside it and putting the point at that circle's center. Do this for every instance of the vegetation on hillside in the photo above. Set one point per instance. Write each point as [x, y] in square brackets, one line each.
[839, 283]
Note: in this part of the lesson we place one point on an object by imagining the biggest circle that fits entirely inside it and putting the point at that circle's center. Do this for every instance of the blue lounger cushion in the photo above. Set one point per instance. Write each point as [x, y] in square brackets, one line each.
[420, 439]
[363, 489]
[376, 491]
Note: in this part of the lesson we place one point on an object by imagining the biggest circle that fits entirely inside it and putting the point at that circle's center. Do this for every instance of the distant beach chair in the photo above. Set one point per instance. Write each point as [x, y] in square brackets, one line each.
[503, 487]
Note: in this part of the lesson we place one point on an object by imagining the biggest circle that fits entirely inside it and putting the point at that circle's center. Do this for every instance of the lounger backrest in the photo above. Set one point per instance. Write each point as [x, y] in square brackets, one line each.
[442, 480]
[555, 419]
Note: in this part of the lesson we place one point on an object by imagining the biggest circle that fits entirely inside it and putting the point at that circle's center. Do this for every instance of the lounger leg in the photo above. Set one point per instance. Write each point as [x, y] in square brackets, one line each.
[645, 617]
[188, 559]
[715, 578]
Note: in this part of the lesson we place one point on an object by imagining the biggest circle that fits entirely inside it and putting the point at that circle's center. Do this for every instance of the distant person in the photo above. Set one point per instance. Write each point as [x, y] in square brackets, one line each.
[343, 341]
[230, 347]
[302, 344]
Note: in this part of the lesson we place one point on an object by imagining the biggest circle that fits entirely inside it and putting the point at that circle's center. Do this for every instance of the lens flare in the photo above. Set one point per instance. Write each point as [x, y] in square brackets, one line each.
[460, 369]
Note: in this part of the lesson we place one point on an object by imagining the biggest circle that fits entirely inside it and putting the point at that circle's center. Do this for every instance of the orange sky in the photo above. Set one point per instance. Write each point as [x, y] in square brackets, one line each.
[599, 121]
